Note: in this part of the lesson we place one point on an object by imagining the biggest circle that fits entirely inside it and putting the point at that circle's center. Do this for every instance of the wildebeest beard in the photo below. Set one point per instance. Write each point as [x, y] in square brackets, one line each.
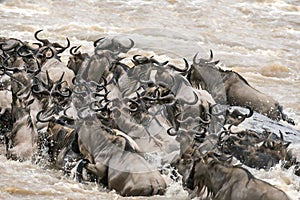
[198, 181]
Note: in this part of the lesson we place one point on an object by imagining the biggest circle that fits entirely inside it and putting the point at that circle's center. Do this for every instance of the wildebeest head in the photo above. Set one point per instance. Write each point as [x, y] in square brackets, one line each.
[51, 92]
[192, 150]
[204, 73]
[201, 178]
[47, 49]
[214, 174]
[105, 60]
[75, 62]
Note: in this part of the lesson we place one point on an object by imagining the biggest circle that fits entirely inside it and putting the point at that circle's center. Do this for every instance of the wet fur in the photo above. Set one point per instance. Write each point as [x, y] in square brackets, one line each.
[225, 182]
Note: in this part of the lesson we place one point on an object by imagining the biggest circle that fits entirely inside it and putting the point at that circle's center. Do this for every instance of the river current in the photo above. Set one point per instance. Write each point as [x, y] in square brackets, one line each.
[260, 39]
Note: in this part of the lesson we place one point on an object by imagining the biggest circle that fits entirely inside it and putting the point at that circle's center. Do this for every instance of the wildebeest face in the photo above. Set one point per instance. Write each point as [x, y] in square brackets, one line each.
[185, 164]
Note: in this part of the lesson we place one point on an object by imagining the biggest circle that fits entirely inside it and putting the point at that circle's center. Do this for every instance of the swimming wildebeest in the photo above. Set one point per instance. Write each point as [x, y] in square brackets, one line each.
[120, 169]
[111, 147]
[229, 87]
[223, 181]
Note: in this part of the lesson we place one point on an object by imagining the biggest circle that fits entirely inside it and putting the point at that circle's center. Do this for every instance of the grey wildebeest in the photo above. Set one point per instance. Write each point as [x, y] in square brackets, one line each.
[22, 63]
[253, 149]
[22, 140]
[48, 56]
[230, 88]
[120, 169]
[120, 115]
[75, 62]
[214, 174]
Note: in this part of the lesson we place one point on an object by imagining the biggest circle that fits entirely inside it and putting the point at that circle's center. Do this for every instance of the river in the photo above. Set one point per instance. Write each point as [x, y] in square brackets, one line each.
[260, 39]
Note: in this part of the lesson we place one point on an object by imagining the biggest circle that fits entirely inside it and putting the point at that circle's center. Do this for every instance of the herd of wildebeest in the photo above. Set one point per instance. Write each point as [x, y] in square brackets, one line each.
[121, 120]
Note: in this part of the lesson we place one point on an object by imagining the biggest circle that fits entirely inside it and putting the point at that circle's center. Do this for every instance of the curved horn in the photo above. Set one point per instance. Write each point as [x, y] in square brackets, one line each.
[38, 44]
[42, 50]
[148, 98]
[250, 112]
[202, 61]
[179, 69]
[47, 119]
[97, 41]
[107, 47]
[168, 99]
[97, 85]
[94, 106]
[62, 48]
[202, 120]
[8, 47]
[39, 91]
[140, 60]
[44, 41]
[136, 105]
[211, 56]
[193, 118]
[172, 132]
[23, 52]
[80, 112]
[125, 48]
[95, 94]
[152, 60]
[74, 49]
[195, 59]
[207, 60]
[66, 93]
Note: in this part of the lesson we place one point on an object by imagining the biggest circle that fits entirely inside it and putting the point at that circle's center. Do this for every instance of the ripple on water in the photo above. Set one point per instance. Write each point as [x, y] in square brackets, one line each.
[275, 70]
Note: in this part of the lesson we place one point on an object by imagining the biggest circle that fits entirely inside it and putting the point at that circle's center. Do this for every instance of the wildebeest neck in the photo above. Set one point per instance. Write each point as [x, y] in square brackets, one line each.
[211, 79]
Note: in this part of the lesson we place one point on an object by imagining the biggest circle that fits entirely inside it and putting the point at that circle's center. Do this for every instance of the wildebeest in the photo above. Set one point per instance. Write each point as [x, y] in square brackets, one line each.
[52, 64]
[229, 87]
[223, 181]
[75, 62]
[126, 121]
[253, 149]
[22, 140]
[119, 169]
